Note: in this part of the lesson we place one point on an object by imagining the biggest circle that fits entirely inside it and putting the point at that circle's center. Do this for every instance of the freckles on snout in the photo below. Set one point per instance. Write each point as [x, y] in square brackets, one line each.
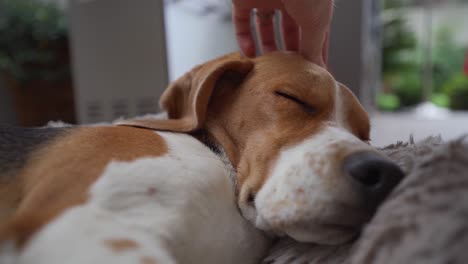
[307, 188]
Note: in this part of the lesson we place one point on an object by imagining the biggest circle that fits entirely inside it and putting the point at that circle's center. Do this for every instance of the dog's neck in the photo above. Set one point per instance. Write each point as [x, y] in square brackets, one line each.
[210, 141]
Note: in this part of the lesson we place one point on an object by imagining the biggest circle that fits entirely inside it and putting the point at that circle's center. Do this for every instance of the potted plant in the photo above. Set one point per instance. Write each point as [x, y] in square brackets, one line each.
[34, 61]
[401, 75]
[456, 89]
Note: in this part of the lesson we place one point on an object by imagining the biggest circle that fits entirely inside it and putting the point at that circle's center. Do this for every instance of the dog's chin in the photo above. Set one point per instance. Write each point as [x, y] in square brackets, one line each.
[335, 230]
[322, 234]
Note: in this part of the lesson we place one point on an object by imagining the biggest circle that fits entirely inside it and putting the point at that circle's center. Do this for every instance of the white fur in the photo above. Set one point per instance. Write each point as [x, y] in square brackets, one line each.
[308, 191]
[339, 115]
[178, 208]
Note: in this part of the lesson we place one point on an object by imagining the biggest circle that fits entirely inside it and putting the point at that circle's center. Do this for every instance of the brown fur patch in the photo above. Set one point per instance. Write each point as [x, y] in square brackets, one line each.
[9, 197]
[59, 175]
[148, 260]
[20, 229]
[119, 245]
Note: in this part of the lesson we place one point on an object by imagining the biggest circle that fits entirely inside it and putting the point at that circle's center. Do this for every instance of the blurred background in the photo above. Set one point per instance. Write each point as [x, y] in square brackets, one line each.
[87, 61]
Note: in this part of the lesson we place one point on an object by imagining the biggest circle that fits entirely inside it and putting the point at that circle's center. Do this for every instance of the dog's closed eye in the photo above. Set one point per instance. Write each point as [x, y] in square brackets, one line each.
[308, 108]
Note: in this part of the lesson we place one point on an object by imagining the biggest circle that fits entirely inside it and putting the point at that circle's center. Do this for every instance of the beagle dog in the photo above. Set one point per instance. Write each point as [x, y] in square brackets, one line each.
[291, 140]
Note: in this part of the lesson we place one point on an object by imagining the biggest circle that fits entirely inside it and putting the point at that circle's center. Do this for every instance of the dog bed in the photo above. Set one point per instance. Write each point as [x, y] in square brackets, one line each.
[424, 220]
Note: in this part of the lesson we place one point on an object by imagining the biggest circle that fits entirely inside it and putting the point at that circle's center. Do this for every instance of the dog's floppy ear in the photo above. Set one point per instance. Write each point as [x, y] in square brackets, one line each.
[355, 114]
[186, 100]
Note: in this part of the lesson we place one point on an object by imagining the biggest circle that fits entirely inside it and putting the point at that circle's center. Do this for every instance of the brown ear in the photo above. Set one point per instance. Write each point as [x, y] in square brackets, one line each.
[356, 115]
[186, 100]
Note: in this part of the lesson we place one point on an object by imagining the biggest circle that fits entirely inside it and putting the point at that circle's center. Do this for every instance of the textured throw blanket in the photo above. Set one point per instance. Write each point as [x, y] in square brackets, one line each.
[425, 219]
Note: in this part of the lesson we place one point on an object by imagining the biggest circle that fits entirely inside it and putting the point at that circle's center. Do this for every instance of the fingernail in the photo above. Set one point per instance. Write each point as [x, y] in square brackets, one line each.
[247, 48]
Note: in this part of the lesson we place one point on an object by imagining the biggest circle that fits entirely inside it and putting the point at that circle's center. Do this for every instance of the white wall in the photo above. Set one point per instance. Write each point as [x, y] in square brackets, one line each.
[119, 57]
[193, 38]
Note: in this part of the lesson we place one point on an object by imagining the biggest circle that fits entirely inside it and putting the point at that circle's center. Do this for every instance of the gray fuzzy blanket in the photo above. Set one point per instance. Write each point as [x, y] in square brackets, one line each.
[424, 220]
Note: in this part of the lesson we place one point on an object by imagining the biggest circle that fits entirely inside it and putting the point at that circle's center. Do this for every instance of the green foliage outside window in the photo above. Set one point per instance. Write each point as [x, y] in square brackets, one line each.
[402, 66]
[400, 60]
[457, 90]
[447, 58]
[33, 40]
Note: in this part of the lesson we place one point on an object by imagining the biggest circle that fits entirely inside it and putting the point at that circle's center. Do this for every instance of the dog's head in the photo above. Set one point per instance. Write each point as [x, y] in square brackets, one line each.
[297, 139]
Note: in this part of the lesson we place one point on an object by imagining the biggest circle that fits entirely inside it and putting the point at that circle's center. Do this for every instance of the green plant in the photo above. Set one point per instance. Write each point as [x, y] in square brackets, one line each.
[398, 40]
[407, 86]
[457, 90]
[440, 99]
[400, 59]
[388, 102]
[33, 40]
[448, 57]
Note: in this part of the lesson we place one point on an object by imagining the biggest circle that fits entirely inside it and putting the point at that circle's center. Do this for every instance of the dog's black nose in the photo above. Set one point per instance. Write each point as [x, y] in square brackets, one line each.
[373, 175]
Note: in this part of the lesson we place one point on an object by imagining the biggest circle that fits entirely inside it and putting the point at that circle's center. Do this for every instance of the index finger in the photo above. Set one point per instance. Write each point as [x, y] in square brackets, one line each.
[244, 36]
[241, 17]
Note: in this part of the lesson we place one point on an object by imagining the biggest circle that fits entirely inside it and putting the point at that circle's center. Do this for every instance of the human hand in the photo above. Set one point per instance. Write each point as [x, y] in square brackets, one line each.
[304, 26]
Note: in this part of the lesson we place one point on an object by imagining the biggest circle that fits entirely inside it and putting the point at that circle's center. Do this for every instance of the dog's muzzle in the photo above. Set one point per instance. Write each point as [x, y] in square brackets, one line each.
[325, 189]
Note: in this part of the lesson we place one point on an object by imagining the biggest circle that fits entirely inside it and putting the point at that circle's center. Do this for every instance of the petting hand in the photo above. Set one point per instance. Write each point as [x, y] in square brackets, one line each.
[304, 24]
